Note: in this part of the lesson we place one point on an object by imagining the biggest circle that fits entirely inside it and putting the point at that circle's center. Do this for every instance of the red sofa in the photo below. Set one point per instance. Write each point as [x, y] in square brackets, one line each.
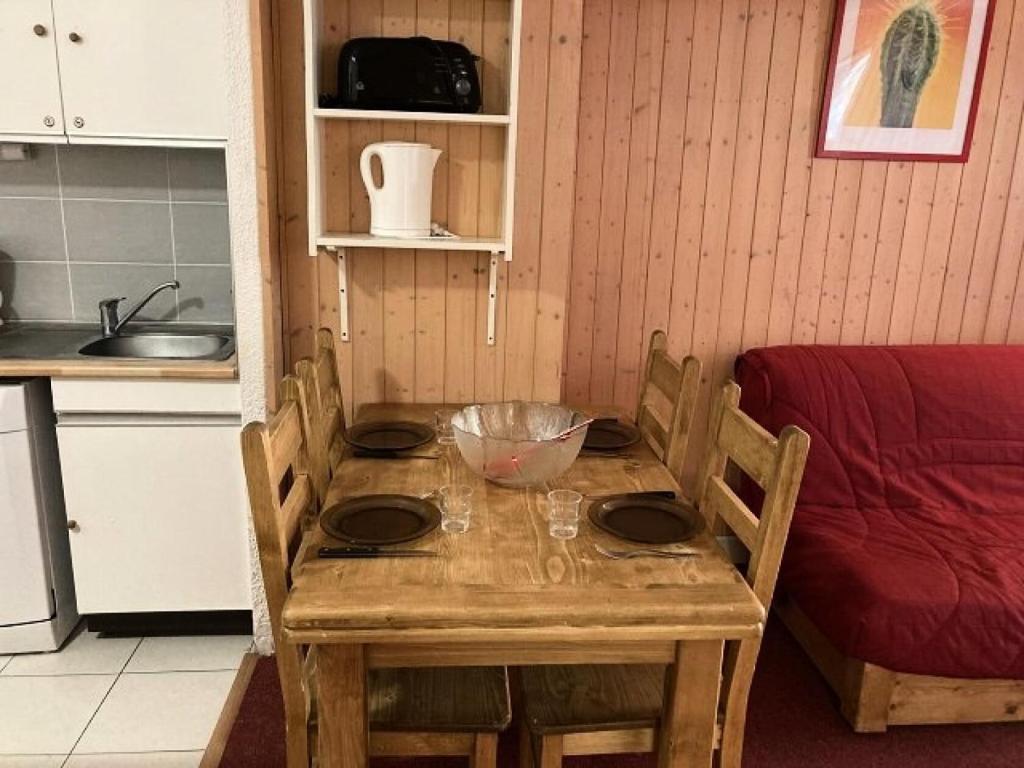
[907, 545]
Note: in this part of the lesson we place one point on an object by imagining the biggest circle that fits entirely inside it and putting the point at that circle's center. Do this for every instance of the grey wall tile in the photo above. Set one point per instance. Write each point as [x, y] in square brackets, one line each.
[35, 177]
[198, 175]
[205, 294]
[92, 282]
[30, 230]
[118, 232]
[120, 173]
[201, 234]
[34, 291]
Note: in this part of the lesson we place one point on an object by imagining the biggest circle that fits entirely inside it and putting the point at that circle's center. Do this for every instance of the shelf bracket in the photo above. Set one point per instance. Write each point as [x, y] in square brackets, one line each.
[492, 301]
[342, 292]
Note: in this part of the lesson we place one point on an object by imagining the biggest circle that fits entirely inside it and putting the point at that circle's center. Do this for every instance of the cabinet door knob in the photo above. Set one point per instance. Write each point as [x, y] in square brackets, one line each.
[79, 122]
[49, 122]
[73, 525]
[40, 30]
[74, 37]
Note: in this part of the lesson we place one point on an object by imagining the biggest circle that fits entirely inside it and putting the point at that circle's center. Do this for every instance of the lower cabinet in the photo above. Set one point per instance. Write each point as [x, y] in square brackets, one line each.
[155, 494]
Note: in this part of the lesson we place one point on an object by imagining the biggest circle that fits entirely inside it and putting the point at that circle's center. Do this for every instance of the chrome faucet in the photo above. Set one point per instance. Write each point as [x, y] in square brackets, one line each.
[111, 324]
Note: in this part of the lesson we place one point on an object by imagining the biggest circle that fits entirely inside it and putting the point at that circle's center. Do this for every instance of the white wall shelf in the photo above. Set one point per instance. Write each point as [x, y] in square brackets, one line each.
[457, 118]
[318, 120]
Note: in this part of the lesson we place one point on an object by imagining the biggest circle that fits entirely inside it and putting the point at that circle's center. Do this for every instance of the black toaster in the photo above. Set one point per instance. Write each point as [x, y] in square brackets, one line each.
[417, 74]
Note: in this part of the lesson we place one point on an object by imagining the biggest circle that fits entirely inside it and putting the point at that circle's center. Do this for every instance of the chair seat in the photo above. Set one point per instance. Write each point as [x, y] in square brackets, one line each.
[446, 699]
[604, 697]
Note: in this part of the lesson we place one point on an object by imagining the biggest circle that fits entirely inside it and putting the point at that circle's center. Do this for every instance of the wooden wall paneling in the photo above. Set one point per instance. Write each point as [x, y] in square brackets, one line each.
[814, 250]
[774, 154]
[565, 49]
[799, 164]
[838, 252]
[461, 329]
[912, 252]
[696, 157]
[973, 182]
[366, 265]
[490, 359]
[521, 312]
[728, 85]
[300, 291]
[643, 142]
[746, 180]
[594, 86]
[887, 252]
[614, 186]
[862, 256]
[980, 283]
[936, 253]
[676, 59]
[432, 19]
[1002, 310]
[399, 267]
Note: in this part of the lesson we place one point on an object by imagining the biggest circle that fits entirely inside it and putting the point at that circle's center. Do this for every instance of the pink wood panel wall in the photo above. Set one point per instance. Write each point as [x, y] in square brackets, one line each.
[700, 209]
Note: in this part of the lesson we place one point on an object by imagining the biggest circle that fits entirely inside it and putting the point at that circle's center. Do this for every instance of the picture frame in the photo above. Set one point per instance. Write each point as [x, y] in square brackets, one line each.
[904, 79]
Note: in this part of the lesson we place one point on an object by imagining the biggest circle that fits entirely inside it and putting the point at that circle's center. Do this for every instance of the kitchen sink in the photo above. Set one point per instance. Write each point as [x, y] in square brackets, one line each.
[166, 346]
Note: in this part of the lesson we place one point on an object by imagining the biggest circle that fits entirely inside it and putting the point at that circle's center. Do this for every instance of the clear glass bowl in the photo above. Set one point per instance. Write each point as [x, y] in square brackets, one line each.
[513, 444]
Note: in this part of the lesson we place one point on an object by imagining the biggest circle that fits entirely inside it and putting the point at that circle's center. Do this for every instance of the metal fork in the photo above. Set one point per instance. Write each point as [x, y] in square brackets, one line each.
[629, 554]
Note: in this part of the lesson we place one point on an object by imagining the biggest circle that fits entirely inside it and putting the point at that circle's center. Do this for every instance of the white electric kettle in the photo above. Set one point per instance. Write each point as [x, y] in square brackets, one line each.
[400, 206]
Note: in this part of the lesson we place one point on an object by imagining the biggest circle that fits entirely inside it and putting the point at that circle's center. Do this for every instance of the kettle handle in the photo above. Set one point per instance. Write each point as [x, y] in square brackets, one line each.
[364, 168]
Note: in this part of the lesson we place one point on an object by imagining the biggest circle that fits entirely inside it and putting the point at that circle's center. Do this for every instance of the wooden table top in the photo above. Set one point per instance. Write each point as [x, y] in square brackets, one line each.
[506, 579]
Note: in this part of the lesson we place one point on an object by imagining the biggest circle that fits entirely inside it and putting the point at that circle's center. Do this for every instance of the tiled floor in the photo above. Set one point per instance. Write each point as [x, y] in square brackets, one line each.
[110, 702]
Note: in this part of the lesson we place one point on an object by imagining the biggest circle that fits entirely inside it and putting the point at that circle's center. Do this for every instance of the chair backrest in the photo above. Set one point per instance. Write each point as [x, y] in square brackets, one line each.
[323, 386]
[281, 492]
[668, 397]
[777, 466]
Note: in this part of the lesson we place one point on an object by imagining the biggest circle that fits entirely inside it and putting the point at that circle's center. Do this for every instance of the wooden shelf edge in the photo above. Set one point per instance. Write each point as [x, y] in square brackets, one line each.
[485, 244]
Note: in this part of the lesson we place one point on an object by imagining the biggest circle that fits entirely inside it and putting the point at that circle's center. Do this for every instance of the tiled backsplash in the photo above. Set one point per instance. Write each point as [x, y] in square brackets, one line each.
[82, 223]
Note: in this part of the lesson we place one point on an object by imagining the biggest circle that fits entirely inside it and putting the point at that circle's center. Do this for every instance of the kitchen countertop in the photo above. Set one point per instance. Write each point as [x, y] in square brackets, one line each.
[39, 349]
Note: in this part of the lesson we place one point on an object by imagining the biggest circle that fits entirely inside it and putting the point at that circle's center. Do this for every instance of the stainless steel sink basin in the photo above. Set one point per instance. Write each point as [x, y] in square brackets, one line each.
[166, 346]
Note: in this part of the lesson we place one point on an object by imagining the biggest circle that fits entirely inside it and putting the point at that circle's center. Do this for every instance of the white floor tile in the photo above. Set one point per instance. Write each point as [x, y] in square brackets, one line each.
[46, 715]
[84, 654]
[136, 760]
[189, 654]
[169, 711]
[32, 761]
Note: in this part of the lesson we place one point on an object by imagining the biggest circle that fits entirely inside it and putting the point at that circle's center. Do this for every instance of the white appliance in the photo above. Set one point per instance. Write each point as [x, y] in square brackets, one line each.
[37, 594]
[400, 206]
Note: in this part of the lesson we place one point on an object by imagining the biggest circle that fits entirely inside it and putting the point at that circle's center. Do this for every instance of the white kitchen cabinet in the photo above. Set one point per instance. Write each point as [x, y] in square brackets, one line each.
[155, 494]
[30, 105]
[138, 72]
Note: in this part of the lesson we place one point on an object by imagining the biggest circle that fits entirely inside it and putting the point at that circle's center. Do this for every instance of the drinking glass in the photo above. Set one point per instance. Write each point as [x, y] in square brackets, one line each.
[450, 456]
[456, 508]
[564, 514]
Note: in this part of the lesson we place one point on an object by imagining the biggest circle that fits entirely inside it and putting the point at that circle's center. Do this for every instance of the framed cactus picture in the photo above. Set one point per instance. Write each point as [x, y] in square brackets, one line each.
[904, 78]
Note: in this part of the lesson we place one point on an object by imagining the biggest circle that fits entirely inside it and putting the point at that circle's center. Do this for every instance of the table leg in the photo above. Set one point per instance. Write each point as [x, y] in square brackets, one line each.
[342, 715]
[688, 722]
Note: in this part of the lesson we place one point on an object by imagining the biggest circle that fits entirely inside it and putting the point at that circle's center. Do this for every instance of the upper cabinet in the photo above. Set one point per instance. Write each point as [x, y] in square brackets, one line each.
[29, 86]
[143, 72]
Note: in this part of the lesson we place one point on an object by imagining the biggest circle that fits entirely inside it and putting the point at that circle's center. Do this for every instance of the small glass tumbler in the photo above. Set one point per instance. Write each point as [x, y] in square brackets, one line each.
[456, 507]
[450, 457]
[564, 514]
[443, 425]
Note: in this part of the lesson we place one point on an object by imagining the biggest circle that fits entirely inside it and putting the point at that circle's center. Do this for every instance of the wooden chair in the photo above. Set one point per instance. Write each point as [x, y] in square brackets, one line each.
[320, 379]
[412, 712]
[668, 397]
[572, 710]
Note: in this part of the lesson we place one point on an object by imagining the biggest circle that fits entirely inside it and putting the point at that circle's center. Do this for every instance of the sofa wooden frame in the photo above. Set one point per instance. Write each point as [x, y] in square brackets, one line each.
[872, 698]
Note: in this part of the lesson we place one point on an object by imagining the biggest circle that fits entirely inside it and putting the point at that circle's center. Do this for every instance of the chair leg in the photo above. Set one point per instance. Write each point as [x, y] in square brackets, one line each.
[550, 752]
[525, 747]
[297, 742]
[485, 751]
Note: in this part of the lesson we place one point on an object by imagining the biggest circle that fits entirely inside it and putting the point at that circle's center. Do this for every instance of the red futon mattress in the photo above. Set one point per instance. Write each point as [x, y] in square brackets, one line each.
[907, 546]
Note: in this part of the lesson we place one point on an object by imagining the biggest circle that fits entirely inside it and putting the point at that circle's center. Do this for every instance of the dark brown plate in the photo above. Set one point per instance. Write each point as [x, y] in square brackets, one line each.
[388, 435]
[610, 435]
[380, 519]
[646, 519]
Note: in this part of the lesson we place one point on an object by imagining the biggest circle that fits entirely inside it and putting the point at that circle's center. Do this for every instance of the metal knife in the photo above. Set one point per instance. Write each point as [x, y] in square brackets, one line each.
[370, 552]
[635, 495]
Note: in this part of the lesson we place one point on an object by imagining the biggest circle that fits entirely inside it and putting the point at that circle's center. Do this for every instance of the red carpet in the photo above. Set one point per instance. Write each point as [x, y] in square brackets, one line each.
[793, 724]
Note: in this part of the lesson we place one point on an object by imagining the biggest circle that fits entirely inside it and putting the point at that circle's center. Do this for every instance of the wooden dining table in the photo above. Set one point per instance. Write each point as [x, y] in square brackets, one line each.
[506, 593]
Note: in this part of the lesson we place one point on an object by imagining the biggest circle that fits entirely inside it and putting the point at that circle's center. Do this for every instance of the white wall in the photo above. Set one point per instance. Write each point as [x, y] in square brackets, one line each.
[242, 198]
